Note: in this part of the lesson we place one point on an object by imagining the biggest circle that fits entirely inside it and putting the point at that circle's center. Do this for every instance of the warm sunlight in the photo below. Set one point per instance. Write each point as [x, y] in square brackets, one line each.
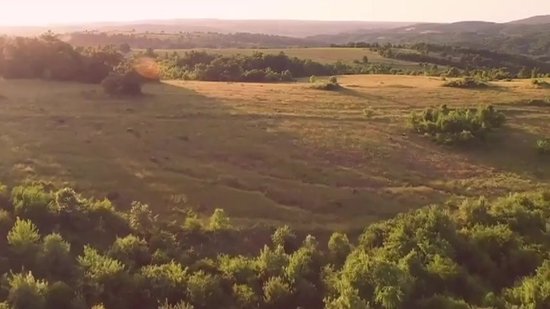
[39, 12]
[252, 154]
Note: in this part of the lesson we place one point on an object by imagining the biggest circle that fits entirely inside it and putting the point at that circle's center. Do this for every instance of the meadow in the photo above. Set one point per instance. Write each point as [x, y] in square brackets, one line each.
[269, 153]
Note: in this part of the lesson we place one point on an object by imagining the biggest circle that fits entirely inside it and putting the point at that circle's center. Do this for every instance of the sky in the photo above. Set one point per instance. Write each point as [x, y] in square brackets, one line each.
[43, 12]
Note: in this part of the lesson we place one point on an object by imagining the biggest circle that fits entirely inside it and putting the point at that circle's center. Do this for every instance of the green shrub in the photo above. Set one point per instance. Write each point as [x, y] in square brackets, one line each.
[27, 292]
[219, 221]
[55, 260]
[122, 84]
[131, 250]
[543, 146]
[540, 83]
[467, 83]
[24, 236]
[328, 86]
[457, 126]
[33, 202]
[277, 293]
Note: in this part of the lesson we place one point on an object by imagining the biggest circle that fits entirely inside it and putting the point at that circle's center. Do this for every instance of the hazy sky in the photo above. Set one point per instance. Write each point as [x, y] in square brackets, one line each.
[39, 12]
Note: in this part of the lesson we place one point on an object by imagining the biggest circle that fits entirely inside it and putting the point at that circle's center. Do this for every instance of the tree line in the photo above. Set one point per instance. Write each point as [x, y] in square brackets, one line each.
[61, 250]
[47, 57]
[187, 40]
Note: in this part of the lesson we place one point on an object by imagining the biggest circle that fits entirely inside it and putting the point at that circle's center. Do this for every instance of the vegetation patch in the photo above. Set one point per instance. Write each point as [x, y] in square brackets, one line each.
[117, 84]
[539, 102]
[466, 83]
[329, 85]
[62, 250]
[540, 83]
[543, 146]
[457, 126]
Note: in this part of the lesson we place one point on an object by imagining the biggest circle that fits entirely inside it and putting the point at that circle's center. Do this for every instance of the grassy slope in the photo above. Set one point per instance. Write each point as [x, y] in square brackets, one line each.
[320, 54]
[267, 152]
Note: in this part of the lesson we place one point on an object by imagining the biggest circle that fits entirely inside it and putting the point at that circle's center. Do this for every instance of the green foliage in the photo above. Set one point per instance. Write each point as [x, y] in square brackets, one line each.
[117, 84]
[339, 248]
[141, 218]
[99, 267]
[534, 291]
[179, 305]
[284, 237]
[205, 290]
[26, 292]
[48, 57]
[277, 293]
[219, 221]
[457, 126]
[543, 146]
[540, 83]
[192, 222]
[23, 237]
[131, 251]
[467, 83]
[245, 296]
[166, 282]
[477, 253]
[55, 260]
[33, 202]
[328, 86]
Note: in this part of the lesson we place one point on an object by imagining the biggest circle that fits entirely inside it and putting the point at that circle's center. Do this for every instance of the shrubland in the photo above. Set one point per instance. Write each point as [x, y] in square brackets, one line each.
[457, 126]
[62, 250]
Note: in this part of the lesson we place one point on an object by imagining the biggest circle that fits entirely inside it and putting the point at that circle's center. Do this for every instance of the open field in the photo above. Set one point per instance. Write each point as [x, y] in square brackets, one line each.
[320, 54]
[268, 152]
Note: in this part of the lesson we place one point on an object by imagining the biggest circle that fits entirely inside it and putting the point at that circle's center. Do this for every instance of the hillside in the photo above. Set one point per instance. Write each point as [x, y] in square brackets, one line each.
[268, 153]
[535, 20]
[514, 38]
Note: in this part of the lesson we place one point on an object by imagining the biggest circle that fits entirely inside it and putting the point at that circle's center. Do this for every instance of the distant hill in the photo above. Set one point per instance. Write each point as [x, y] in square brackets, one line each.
[292, 28]
[186, 40]
[535, 20]
[530, 38]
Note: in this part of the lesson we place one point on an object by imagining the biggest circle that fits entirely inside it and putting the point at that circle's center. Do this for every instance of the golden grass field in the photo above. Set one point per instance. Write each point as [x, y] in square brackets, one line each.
[269, 153]
[318, 54]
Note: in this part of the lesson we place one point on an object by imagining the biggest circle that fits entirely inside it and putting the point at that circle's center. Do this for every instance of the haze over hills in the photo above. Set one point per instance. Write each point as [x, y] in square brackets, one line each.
[530, 36]
[294, 28]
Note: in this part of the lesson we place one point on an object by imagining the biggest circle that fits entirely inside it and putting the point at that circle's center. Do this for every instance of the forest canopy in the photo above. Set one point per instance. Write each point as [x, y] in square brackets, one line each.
[61, 250]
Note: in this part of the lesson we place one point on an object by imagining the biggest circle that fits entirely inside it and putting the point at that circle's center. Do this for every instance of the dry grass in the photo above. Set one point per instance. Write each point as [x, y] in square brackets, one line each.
[268, 152]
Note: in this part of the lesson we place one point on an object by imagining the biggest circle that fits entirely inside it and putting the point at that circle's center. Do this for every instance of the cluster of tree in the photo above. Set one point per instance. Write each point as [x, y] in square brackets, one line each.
[457, 126]
[469, 60]
[259, 67]
[47, 57]
[185, 40]
[60, 250]
[467, 83]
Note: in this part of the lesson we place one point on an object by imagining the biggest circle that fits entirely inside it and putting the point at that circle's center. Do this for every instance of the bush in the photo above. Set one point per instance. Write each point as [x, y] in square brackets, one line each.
[540, 83]
[326, 86]
[122, 84]
[26, 292]
[466, 83]
[539, 102]
[457, 126]
[543, 146]
[219, 221]
[24, 236]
